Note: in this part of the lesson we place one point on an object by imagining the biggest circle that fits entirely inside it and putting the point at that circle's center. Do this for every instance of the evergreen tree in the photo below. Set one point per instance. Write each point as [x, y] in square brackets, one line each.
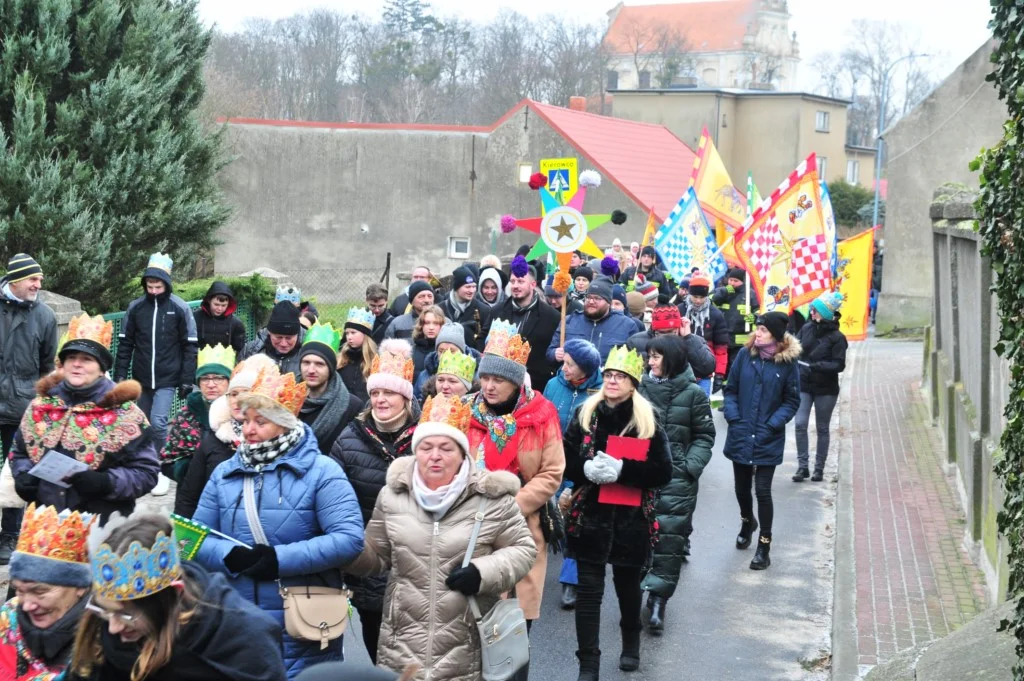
[102, 160]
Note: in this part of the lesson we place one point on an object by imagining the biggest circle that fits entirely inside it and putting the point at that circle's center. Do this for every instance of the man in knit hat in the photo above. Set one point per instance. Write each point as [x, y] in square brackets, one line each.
[648, 271]
[731, 299]
[536, 321]
[281, 340]
[462, 307]
[28, 343]
[582, 276]
[400, 305]
[666, 321]
[598, 324]
[421, 296]
[328, 406]
[708, 322]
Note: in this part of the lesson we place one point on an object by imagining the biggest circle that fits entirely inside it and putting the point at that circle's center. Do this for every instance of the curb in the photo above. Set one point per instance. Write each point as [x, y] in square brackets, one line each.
[845, 657]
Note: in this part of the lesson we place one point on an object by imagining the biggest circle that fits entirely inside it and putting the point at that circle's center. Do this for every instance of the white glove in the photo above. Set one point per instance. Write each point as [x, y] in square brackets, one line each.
[598, 473]
[610, 462]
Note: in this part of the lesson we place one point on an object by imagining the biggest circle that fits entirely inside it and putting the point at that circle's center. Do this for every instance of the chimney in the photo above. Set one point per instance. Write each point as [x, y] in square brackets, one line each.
[578, 103]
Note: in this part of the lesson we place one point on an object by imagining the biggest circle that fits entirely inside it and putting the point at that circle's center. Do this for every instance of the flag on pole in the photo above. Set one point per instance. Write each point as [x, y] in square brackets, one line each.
[649, 230]
[783, 244]
[190, 534]
[685, 241]
[753, 196]
[831, 234]
[723, 204]
[856, 256]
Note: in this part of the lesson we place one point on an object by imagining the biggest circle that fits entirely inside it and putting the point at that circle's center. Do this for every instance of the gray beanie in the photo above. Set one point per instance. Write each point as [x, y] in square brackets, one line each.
[454, 334]
[496, 365]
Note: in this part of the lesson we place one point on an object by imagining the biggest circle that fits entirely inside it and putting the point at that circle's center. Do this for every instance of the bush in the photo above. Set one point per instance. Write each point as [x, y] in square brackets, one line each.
[847, 199]
[253, 293]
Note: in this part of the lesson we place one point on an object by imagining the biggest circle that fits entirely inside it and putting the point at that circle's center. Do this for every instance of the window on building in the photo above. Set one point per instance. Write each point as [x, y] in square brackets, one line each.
[853, 171]
[645, 80]
[710, 77]
[823, 168]
[613, 80]
[458, 247]
[821, 121]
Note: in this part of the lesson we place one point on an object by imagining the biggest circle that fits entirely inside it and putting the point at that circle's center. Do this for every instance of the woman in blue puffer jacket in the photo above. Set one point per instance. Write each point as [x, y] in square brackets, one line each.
[294, 508]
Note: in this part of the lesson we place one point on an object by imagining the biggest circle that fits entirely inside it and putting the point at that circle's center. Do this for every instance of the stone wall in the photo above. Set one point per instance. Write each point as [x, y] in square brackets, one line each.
[63, 307]
[965, 380]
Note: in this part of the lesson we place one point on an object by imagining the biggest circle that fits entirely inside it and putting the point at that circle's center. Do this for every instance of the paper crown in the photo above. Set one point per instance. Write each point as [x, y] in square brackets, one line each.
[282, 389]
[458, 365]
[45, 533]
[450, 411]
[504, 340]
[324, 334]
[137, 573]
[216, 354]
[160, 261]
[95, 329]
[392, 359]
[361, 317]
[625, 360]
[290, 293]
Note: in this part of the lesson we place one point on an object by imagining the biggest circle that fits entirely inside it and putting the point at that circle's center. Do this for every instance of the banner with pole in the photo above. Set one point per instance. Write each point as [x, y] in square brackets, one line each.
[856, 256]
[685, 241]
[723, 204]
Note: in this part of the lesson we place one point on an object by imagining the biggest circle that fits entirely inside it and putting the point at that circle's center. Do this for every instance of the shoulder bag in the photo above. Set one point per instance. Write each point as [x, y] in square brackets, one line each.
[504, 643]
[311, 613]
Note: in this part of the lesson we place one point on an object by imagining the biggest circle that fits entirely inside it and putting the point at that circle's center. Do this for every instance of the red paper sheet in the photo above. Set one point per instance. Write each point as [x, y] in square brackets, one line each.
[631, 448]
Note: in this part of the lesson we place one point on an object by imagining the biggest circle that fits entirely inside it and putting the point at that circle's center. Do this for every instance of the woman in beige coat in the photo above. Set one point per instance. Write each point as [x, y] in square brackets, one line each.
[420, 531]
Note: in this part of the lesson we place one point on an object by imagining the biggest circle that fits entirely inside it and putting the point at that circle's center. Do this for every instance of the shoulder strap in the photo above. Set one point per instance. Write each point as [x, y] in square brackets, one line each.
[478, 521]
[251, 512]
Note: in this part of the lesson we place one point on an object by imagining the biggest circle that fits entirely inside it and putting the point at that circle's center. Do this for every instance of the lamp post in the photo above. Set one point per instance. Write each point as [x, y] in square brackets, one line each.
[881, 122]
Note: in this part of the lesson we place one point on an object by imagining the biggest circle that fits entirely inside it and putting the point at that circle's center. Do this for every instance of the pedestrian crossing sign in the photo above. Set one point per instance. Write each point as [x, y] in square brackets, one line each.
[563, 176]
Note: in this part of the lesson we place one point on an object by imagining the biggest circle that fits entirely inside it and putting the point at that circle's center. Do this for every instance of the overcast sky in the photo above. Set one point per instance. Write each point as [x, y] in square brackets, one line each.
[949, 29]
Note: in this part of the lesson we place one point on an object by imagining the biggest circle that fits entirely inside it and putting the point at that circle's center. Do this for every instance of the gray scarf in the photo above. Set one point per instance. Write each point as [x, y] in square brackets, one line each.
[332, 405]
[458, 304]
[698, 316]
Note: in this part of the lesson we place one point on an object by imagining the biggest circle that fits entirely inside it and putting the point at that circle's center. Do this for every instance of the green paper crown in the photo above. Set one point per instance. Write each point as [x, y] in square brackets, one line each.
[216, 354]
[627, 361]
[458, 365]
[325, 334]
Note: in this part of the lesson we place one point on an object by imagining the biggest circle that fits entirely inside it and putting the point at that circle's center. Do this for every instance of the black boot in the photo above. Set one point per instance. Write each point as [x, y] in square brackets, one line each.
[761, 559]
[818, 475]
[656, 623]
[568, 596]
[801, 475]
[590, 665]
[746, 532]
[629, 661]
[8, 542]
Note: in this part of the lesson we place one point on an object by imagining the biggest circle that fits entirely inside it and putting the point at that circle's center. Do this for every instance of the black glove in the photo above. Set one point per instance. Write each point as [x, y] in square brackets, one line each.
[265, 568]
[718, 383]
[184, 391]
[92, 484]
[27, 486]
[464, 579]
[240, 559]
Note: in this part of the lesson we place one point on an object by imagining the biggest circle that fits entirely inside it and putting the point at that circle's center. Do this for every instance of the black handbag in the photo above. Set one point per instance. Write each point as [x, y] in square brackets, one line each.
[551, 525]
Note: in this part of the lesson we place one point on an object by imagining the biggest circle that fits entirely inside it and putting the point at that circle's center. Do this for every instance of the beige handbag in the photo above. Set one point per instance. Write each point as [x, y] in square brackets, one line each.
[311, 613]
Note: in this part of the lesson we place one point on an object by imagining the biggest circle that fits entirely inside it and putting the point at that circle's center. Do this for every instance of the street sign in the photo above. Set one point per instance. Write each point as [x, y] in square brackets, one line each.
[562, 174]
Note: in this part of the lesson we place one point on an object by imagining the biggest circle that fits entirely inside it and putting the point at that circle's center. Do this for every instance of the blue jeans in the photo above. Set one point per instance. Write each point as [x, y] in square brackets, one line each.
[156, 405]
[705, 385]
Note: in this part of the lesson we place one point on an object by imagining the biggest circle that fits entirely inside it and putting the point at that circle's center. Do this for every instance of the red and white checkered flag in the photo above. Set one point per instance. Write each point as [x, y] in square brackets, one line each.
[810, 270]
[762, 247]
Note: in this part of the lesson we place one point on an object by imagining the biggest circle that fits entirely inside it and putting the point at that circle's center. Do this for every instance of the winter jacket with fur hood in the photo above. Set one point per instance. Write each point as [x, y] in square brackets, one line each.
[424, 621]
[761, 397]
[99, 425]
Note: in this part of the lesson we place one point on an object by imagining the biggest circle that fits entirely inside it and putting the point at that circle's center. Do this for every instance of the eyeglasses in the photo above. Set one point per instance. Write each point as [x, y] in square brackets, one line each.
[107, 615]
[615, 377]
[212, 379]
[593, 299]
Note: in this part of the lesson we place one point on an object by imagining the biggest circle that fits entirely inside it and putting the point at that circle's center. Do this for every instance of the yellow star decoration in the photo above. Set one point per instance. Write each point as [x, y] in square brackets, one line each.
[783, 249]
[564, 229]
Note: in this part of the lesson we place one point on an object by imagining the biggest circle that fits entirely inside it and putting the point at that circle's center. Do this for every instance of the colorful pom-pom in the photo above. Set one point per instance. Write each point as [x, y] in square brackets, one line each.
[618, 217]
[562, 282]
[519, 266]
[609, 266]
[508, 224]
[590, 178]
[538, 180]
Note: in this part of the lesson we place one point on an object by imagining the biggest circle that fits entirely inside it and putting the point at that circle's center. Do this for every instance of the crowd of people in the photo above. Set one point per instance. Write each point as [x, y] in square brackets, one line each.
[423, 462]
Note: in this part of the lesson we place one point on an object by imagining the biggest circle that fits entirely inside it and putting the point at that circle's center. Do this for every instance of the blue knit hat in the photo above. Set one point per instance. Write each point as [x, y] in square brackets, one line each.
[586, 356]
[827, 304]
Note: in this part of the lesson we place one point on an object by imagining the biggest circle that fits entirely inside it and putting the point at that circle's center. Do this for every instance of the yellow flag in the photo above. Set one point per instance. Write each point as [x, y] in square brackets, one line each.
[652, 227]
[724, 206]
[856, 255]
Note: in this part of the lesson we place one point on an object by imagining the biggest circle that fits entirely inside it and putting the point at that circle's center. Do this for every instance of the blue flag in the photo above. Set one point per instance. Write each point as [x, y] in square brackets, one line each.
[685, 240]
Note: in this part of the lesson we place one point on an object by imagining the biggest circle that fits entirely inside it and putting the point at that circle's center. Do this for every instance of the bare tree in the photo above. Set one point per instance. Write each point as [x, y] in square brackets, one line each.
[510, 65]
[576, 62]
[658, 50]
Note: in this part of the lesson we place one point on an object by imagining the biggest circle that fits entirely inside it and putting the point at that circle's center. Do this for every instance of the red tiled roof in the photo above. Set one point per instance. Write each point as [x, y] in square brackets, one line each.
[714, 26]
[646, 161]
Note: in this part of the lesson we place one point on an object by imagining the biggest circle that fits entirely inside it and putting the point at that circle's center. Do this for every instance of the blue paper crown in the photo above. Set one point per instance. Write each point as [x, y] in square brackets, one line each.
[160, 261]
[290, 293]
[360, 316]
[500, 326]
[140, 572]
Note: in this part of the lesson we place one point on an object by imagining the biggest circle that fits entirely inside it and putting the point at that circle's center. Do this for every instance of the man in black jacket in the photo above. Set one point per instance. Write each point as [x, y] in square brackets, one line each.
[537, 321]
[158, 341]
[281, 340]
[216, 321]
[462, 307]
[28, 343]
[731, 299]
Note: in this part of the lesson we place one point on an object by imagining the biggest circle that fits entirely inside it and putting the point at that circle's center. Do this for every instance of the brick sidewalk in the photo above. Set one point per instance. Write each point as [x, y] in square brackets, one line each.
[915, 582]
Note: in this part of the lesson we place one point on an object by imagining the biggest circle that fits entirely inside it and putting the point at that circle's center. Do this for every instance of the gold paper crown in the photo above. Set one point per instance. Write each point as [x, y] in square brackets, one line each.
[216, 354]
[57, 536]
[627, 361]
[457, 364]
[281, 389]
[392, 359]
[96, 329]
[451, 411]
[505, 341]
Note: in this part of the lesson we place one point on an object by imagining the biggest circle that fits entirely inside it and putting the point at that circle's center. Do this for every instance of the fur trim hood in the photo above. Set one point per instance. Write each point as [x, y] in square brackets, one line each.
[491, 484]
[220, 420]
[111, 395]
[789, 349]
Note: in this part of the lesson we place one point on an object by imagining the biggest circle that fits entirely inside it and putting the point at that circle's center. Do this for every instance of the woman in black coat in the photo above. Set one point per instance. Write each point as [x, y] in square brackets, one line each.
[601, 533]
[822, 360]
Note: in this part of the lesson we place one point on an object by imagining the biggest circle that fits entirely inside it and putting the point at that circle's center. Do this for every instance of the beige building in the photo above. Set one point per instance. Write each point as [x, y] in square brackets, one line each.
[766, 133]
[716, 43]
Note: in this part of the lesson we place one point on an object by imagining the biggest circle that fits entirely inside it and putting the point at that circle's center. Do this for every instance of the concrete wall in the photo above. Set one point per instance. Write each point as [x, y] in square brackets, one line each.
[932, 144]
[300, 195]
[966, 382]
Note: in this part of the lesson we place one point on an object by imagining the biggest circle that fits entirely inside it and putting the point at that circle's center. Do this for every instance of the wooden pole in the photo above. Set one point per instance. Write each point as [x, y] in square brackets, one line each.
[561, 337]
